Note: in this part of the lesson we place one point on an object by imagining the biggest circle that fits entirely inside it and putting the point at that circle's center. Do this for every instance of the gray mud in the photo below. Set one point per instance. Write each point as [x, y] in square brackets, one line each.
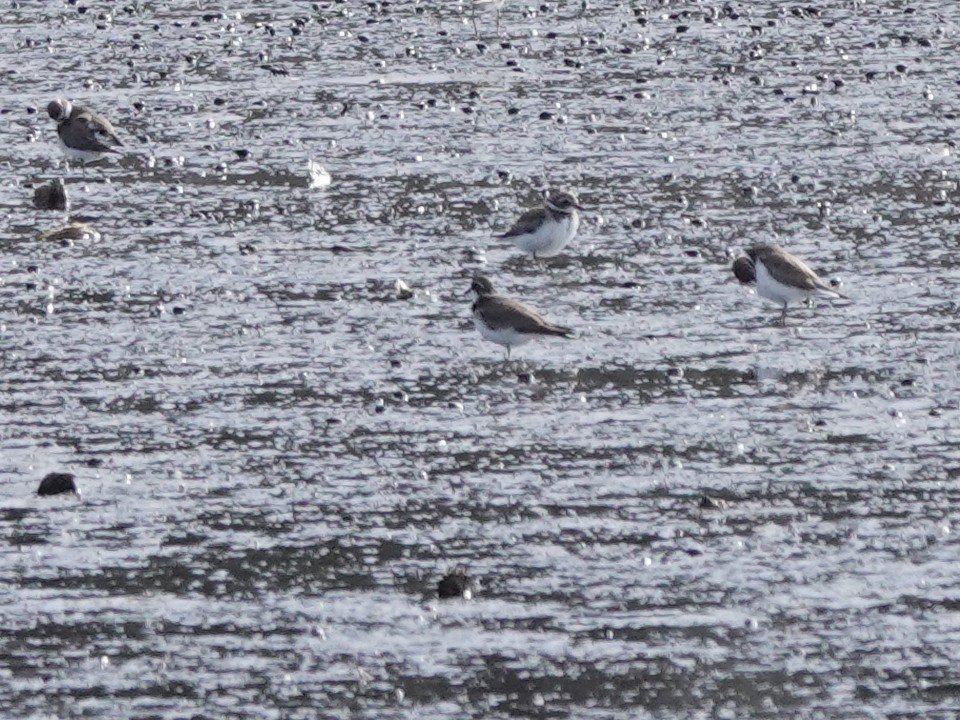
[279, 459]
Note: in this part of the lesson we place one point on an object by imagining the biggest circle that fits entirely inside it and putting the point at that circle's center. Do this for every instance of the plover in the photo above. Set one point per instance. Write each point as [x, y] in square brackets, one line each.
[546, 230]
[84, 135]
[508, 322]
[780, 276]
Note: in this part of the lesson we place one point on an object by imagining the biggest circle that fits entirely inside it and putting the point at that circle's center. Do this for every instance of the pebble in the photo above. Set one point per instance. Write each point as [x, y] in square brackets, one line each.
[455, 584]
[56, 483]
[51, 196]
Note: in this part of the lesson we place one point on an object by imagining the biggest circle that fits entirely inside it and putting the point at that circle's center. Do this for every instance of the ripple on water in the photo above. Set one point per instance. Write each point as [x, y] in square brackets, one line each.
[280, 459]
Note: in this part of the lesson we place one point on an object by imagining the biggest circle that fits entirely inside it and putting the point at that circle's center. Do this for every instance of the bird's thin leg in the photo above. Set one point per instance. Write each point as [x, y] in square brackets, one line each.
[476, 28]
[498, 22]
[508, 352]
[783, 315]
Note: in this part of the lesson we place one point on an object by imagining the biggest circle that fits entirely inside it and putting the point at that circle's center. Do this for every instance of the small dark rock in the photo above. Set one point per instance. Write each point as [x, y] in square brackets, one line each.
[708, 502]
[51, 196]
[56, 483]
[455, 584]
[243, 154]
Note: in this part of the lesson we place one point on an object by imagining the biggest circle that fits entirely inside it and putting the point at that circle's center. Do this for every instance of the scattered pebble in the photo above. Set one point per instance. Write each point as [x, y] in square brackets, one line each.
[51, 196]
[455, 584]
[319, 177]
[708, 502]
[56, 483]
[404, 291]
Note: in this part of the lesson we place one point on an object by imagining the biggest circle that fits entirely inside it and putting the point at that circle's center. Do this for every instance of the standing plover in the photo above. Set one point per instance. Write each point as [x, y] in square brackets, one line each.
[508, 322]
[780, 276]
[545, 231]
[84, 135]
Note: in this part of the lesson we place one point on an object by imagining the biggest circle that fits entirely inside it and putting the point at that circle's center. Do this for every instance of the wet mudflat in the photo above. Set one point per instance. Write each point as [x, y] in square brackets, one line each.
[279, 459]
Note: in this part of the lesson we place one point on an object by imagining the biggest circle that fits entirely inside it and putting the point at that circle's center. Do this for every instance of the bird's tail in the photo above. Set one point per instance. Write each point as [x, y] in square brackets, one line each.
[559, 331]
[829, 292]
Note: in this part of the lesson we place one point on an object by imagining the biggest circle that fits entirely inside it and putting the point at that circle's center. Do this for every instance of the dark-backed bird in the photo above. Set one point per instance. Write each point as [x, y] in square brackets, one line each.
[84, 135]
[508, 322]
[780, 276]
[546, 230]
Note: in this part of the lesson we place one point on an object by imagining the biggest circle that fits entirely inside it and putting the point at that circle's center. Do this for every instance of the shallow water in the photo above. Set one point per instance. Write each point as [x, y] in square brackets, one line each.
[279, 458]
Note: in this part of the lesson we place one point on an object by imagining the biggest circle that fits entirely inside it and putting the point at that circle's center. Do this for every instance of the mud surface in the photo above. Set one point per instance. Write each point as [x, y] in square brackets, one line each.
[279, 459]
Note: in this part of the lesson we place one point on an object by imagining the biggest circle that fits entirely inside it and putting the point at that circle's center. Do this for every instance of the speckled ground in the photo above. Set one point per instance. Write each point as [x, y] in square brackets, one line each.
[279, 458]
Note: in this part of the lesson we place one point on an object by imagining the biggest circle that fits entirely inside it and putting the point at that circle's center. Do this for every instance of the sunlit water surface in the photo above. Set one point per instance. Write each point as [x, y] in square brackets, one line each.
[279, 458]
